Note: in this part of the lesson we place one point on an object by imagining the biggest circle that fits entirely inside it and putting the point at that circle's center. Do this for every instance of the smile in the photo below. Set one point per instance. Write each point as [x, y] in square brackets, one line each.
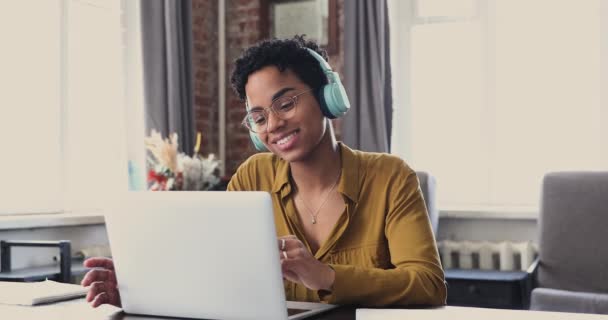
[287, 138]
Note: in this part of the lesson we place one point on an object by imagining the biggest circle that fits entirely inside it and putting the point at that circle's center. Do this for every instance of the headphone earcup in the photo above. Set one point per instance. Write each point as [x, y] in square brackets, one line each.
[336, 100]
[323, 104]
[332, 96]
[333, 99]
[257, 143]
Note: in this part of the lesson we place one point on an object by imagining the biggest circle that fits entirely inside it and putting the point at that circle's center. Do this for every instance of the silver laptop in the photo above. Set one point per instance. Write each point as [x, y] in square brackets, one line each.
[200, 255]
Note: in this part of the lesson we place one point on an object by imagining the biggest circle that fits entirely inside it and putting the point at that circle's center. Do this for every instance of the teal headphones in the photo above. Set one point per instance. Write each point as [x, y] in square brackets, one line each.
[332, 97]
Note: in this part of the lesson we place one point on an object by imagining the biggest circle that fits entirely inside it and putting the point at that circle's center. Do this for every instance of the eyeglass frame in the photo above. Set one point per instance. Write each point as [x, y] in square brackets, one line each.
[266, 111]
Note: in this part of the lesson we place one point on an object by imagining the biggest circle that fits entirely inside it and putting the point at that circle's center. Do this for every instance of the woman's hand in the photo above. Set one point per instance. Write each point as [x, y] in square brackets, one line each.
[300, 266]
[102, 280]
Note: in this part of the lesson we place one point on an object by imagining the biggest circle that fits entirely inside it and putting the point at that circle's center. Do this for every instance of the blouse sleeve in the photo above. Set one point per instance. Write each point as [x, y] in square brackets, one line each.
[417, 277]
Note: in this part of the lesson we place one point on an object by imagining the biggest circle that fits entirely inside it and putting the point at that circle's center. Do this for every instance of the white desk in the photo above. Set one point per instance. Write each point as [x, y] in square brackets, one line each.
[465, 313]
[79, 309]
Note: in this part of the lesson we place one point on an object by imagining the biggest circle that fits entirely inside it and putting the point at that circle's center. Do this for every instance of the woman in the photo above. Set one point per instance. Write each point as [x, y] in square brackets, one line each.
[352, 226]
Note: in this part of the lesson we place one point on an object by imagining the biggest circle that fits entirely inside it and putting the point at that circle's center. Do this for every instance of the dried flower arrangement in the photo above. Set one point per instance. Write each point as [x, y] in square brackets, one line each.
[169, 169]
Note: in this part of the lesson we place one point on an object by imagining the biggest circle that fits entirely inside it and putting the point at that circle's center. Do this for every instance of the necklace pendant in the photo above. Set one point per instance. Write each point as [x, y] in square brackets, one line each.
[314, 220]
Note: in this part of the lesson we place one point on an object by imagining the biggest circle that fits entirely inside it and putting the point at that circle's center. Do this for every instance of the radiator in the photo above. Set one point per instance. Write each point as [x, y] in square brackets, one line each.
[485, 255]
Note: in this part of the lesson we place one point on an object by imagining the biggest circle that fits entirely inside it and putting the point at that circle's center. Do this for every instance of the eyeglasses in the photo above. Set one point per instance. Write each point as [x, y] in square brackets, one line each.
[284, 108]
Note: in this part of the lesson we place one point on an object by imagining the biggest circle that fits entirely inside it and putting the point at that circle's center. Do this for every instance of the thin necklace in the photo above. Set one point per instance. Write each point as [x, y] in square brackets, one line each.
[314, 214]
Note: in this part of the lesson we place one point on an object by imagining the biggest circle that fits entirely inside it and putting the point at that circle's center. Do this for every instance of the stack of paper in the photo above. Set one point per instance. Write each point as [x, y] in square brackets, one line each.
[33, 293]
[76, 309]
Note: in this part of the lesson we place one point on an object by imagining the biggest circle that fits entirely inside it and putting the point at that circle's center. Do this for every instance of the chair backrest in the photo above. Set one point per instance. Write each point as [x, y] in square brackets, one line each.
[573, 237]
[427, 185]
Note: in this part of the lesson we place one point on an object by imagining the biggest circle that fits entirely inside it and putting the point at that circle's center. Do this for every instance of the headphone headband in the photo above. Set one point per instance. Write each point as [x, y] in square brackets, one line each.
[324, 65]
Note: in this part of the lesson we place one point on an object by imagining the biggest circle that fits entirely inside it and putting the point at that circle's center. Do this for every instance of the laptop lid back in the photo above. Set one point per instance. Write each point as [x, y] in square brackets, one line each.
[197, 255]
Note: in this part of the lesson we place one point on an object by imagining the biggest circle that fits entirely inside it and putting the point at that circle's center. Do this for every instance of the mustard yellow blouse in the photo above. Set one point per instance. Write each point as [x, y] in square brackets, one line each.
[382, 247]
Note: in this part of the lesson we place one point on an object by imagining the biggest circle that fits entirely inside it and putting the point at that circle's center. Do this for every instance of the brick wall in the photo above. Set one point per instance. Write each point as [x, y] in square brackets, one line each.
[244, 27]
[204, 56]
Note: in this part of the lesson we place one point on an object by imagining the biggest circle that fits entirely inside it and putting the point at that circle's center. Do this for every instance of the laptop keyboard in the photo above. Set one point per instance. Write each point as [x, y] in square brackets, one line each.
[291, 312]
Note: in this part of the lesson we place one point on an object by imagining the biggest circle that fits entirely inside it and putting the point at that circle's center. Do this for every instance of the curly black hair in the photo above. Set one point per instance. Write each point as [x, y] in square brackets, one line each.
[284, 54]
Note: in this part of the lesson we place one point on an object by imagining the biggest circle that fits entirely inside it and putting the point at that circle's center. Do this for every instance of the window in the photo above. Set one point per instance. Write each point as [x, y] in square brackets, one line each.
[63, 118]
[500, 92]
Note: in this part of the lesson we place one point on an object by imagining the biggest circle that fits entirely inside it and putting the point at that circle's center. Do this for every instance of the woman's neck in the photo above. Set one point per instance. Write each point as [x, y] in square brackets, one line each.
[322, 168]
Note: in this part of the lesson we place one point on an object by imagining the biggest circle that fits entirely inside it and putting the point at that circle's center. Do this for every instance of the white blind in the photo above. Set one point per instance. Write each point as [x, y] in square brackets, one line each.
[499, 100]
[63, 111]
[95, 153]
[30, 171]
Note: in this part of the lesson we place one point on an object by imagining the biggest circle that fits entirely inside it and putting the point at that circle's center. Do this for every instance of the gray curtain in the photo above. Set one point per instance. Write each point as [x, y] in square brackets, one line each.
[167, 62]
[367, 75]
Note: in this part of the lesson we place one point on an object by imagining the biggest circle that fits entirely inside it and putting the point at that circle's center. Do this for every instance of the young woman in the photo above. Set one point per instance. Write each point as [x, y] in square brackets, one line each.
[352, 226]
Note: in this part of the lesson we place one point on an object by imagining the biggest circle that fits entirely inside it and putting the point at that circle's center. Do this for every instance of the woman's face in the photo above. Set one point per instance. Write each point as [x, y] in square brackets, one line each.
[295, 138]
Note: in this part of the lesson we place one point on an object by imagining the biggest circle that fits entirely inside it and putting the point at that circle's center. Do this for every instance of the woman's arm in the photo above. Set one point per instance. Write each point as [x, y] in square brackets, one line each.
[417, 278]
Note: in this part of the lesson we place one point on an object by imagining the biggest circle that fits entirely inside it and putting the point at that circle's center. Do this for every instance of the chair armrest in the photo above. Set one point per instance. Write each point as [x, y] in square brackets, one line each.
[546, 299]
[533, 273]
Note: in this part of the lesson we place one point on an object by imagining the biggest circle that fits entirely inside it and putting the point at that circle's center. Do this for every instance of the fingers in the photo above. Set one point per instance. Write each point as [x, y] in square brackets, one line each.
[299, 253]
[288, 273]
[97, 294]
[101, 282]
[99, 262]
[292, 254]
[313, 275]
[288, 242]
[285, 267]
[100, 299]
[290, 276]
[96, 275]
[95, 289]
[291, 264]
[103, 292]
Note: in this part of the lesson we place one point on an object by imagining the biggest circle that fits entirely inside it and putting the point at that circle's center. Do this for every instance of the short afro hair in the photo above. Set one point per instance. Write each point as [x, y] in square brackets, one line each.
[284, 54]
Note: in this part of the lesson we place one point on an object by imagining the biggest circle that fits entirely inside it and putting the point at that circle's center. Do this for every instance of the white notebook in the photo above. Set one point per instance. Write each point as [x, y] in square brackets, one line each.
[33, 293]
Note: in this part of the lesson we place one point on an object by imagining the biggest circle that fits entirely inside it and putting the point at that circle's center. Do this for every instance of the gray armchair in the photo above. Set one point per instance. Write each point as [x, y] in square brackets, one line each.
[427, 185]
[573, 266]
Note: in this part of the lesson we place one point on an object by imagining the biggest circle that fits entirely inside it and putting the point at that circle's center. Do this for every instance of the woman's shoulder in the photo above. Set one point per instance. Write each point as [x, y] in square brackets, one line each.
[383, 162]
[256, 173]
[260, 160]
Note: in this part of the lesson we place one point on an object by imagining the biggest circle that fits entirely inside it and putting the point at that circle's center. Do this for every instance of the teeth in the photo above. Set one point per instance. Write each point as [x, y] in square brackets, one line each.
[286, 139]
